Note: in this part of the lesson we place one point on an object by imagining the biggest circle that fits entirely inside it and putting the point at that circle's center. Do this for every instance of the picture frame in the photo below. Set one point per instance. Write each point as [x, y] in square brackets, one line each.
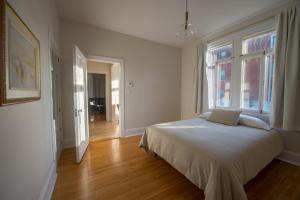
[20, 68]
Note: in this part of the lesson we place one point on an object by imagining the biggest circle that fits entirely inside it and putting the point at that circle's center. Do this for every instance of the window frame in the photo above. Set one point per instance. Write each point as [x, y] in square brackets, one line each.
[236, 40]
[212, 47]
[264, 84]
[262, 54]
[261, 82]
[224, 61]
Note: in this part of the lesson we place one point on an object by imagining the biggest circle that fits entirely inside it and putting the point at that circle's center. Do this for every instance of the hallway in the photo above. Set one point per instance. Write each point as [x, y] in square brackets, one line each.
[100, 129]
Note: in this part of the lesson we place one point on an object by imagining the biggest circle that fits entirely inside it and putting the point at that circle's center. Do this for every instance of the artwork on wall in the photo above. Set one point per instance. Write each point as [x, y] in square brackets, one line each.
[20, 71]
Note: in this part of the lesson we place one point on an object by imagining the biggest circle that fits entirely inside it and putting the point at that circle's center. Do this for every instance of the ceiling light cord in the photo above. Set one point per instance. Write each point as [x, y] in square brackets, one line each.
[186, 30]
[186, 5]
[186, 15]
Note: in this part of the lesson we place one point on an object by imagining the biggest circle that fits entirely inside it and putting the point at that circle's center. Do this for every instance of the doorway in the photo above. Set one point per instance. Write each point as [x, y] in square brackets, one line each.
[81, 105]
[56, 101]
[103, 87]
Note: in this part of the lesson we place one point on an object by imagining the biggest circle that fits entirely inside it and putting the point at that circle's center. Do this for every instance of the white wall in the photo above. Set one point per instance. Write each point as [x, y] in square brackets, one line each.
[98, 67]
[26, 150]
[154, 68]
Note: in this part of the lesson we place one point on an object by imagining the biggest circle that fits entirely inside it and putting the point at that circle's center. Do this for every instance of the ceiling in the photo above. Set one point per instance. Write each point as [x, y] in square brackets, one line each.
[158, 20]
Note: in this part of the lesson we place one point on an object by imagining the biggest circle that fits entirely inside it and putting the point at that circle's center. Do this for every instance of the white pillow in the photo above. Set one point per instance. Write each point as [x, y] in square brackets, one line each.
[228, 117]
[254, 122]
[205, 115]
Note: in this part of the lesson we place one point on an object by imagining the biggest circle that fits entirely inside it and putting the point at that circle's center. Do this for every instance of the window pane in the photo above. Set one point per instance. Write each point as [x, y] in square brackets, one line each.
[210, 73]
[269, 74]
[223, 85]
[259, 43]
[250, 83]
[224, 52]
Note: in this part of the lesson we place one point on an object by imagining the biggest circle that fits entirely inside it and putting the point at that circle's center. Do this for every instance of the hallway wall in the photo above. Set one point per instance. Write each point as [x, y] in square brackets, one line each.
[26, 145]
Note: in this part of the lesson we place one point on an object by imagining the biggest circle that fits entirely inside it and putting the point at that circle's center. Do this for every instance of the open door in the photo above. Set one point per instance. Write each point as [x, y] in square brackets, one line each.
[80, 103]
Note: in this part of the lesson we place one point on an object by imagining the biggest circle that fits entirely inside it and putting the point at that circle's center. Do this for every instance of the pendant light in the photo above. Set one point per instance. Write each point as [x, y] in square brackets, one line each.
[186, 30]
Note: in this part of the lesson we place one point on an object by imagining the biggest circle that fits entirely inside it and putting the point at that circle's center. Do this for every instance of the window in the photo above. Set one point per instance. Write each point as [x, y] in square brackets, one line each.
[223, 84]
[268, 85]
[250, 83]
[257, 72]
[242, 78]
[219, 64]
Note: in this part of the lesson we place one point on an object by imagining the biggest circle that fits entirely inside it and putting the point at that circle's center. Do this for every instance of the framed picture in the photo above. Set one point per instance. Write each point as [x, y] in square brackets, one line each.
[20, 70]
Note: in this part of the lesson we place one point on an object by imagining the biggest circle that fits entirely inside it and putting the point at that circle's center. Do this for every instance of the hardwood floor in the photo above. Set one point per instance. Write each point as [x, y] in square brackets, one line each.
[101, 129]
[119, 169]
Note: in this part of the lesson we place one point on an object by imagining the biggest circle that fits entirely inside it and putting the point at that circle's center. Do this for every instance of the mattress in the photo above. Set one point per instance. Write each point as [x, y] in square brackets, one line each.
[217, 158]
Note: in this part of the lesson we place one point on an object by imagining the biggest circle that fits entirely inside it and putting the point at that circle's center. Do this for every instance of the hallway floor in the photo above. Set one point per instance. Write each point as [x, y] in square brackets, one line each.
[101, 129]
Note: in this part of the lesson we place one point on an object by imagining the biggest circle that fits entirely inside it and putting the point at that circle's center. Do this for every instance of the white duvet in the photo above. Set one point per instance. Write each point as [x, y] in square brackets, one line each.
[217, 158]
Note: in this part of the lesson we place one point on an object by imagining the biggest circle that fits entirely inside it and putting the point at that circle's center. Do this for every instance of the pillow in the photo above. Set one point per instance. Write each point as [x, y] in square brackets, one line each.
[254, 122]
[262, 116]
[228, 117]
[205, 115]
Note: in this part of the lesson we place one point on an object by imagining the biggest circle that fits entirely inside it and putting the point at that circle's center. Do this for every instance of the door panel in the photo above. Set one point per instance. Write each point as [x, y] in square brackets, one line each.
[80, 103]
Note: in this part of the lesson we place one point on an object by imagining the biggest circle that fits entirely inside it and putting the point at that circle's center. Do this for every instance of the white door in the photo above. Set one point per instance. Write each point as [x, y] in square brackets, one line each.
[80, 103]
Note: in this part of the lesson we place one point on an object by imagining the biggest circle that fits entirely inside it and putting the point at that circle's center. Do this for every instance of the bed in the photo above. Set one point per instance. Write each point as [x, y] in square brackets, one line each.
[217, 158]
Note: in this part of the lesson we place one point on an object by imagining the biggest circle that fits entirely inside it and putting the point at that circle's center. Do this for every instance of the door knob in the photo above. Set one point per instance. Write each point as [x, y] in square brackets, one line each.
[77, 111]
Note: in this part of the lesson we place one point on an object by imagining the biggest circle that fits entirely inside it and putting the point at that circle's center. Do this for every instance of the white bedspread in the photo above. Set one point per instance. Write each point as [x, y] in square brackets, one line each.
[217, 158]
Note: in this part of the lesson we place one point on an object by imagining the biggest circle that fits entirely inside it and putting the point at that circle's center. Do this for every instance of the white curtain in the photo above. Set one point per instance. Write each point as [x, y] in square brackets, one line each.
[286, 90]
[200, 80]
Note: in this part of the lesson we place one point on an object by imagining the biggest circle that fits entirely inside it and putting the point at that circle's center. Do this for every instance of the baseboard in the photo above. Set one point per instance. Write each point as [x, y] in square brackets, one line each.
[48, 188]
[68, 143]
[290, 157]
[135, 131]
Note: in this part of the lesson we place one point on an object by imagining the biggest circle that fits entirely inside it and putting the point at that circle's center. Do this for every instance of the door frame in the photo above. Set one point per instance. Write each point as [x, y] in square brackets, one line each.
[53, 47]
[122, 86]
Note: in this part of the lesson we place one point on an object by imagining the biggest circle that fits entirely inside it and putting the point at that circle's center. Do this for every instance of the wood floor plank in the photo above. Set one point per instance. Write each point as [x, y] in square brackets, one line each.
[100, 129]
[118, 169]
